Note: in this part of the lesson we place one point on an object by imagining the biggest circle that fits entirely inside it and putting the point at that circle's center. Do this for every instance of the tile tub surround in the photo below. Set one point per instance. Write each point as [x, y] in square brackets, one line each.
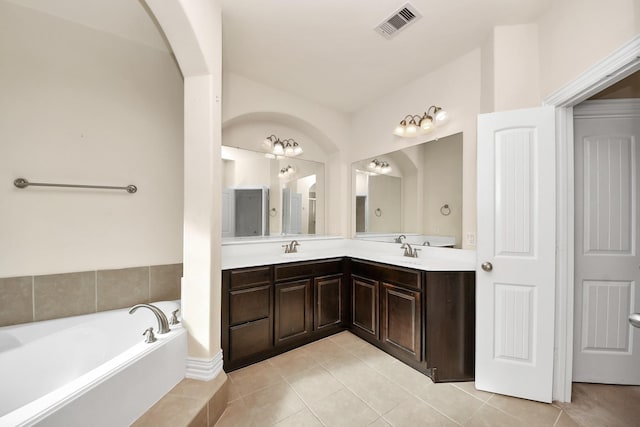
[33, 298]
[191, 403]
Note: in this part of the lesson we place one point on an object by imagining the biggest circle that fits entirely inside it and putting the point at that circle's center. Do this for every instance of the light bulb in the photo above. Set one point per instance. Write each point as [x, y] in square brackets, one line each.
[288, 150]
[412, 129]
[426, 124]
[400, 129]
[278, 149]
[441, 115]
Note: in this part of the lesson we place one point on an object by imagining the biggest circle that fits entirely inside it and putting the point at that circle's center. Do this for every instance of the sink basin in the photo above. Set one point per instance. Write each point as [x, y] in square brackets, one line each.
[295, 255]
[401, 259]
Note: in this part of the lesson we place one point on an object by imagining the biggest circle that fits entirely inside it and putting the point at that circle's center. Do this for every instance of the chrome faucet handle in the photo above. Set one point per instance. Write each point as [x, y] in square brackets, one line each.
[415, 252]
[286, 249]
[174, 317]
[149, 334]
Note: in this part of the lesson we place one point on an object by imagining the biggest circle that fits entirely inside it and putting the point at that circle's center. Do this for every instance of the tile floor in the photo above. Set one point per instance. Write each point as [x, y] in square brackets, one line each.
[344, 381]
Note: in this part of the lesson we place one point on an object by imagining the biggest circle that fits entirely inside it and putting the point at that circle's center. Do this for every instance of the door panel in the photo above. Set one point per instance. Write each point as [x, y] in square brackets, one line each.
[328, 298]
[400, 318]
[516, 244]
[365, 305]
[292, 310]
[606, 235]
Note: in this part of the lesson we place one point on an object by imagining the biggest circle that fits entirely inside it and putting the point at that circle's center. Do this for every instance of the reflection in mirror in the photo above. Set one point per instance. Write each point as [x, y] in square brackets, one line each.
[419, 195]
[265, 195]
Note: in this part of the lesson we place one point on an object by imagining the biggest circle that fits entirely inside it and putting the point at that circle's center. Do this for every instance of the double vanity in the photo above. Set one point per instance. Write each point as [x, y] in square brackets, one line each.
[419, 310]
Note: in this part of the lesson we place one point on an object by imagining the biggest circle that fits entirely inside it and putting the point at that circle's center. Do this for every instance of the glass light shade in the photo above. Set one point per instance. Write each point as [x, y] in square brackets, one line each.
[372, 164]
[278, 149]
[288, 150]
[412, 129]
[281, 174]
[267, 143]
[441, 115]
[296, 149]
[399, 130]
[426, 124]
[386, 168]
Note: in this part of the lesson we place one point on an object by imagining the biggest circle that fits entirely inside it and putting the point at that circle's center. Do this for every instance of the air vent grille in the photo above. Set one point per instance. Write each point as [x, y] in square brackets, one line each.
[404, 16]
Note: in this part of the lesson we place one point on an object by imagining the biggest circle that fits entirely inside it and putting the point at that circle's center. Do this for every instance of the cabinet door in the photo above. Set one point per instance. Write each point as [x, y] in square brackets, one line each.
[364, 310]
[293, 310]
[328, 301]
[401, 325]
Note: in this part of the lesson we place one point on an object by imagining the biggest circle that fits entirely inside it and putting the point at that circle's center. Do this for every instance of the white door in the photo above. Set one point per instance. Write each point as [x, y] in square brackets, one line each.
[606, 242]
[515, 291]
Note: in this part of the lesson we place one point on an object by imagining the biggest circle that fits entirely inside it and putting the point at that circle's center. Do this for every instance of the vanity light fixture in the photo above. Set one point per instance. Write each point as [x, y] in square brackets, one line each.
[411, 124]
[288, 147]
[285, 172]
[379, 166]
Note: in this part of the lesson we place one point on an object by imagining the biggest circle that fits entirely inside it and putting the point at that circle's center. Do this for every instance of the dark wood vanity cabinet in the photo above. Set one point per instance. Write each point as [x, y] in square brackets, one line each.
[247, 312]
[451, 325]
[271, 309]
[425, 319]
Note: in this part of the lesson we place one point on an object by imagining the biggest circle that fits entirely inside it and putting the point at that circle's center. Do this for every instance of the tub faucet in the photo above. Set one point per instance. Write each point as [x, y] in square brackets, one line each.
[291, 248]
[163, 323]
[409, 251]
[401, 238]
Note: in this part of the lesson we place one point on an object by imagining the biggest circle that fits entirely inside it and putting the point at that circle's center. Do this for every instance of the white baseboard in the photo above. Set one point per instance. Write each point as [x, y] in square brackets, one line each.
[204, 369]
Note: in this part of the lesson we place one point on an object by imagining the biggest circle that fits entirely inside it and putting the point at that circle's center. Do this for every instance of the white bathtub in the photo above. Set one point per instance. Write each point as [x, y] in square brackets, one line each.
[87, 370]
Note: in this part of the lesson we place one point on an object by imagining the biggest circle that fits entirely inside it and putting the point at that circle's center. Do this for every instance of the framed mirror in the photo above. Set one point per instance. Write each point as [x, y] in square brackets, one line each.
[413, 194]
[265, 195]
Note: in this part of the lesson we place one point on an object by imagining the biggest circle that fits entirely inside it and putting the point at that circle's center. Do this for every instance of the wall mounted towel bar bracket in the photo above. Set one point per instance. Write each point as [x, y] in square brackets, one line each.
[23, 183]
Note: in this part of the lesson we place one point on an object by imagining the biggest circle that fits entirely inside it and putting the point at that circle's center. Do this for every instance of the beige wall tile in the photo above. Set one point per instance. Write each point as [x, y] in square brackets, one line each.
[16, 300]
[63, 295]
[122, 288]
[218, 403]
[164, 282]
[201, 420]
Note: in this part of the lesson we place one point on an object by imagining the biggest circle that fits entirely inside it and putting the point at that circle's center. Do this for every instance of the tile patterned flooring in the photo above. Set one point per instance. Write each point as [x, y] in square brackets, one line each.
[345, 381]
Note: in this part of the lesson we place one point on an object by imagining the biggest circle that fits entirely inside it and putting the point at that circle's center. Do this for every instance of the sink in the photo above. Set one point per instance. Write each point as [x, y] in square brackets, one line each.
[401, 259]
[295, 255]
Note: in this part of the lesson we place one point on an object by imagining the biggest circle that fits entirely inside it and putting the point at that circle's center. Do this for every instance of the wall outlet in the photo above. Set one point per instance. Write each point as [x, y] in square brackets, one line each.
[471, 238]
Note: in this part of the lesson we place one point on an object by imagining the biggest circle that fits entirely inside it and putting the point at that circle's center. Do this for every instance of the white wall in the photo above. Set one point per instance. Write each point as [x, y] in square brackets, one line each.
[81, 106]
[454, 86]
[246, 101]
[575, 34]
[516, 70]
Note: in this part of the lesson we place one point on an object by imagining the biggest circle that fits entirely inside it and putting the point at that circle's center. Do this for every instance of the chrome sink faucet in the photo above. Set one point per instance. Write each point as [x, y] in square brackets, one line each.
[409, 251]
[401, 238]
[163, 323]
[292, 247]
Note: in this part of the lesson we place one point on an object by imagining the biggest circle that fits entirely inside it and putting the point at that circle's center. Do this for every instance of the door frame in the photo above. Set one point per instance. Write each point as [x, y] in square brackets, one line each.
[611, 69]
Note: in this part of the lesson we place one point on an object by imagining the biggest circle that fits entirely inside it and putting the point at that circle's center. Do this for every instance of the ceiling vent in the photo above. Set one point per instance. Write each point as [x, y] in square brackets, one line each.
[400, 20]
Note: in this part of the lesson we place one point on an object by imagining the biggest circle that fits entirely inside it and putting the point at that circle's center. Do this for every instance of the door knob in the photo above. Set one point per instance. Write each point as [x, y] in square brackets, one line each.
[634, 319]
[487, 266]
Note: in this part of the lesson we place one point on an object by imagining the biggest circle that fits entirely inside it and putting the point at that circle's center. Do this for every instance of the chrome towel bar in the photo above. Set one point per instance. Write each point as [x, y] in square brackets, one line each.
[23, 183]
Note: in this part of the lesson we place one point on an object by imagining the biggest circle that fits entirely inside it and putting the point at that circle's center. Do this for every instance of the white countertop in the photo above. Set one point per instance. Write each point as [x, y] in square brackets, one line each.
[251, 253]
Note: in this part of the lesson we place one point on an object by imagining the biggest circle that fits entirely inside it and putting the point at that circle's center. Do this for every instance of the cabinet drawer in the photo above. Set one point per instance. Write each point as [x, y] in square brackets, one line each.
[300, 270]
[387, 273]
[249, 338]
[249, 304]
[246, 277]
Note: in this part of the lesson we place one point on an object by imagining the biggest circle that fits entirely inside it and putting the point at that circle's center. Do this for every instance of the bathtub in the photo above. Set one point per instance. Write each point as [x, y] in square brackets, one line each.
[92, 370]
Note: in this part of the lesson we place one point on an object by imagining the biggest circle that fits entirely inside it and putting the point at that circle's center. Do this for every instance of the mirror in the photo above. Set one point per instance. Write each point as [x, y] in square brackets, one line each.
[415, 192]
[264, 195]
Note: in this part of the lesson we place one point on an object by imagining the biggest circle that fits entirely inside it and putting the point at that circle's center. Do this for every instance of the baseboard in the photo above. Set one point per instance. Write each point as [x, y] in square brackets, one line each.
[204, 369]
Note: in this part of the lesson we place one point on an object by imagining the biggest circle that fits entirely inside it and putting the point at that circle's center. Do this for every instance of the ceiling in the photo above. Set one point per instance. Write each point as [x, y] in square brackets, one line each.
[324, 50]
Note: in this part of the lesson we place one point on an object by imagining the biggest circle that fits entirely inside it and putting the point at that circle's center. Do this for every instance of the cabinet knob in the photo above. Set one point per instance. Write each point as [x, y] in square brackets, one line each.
[487, 266]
